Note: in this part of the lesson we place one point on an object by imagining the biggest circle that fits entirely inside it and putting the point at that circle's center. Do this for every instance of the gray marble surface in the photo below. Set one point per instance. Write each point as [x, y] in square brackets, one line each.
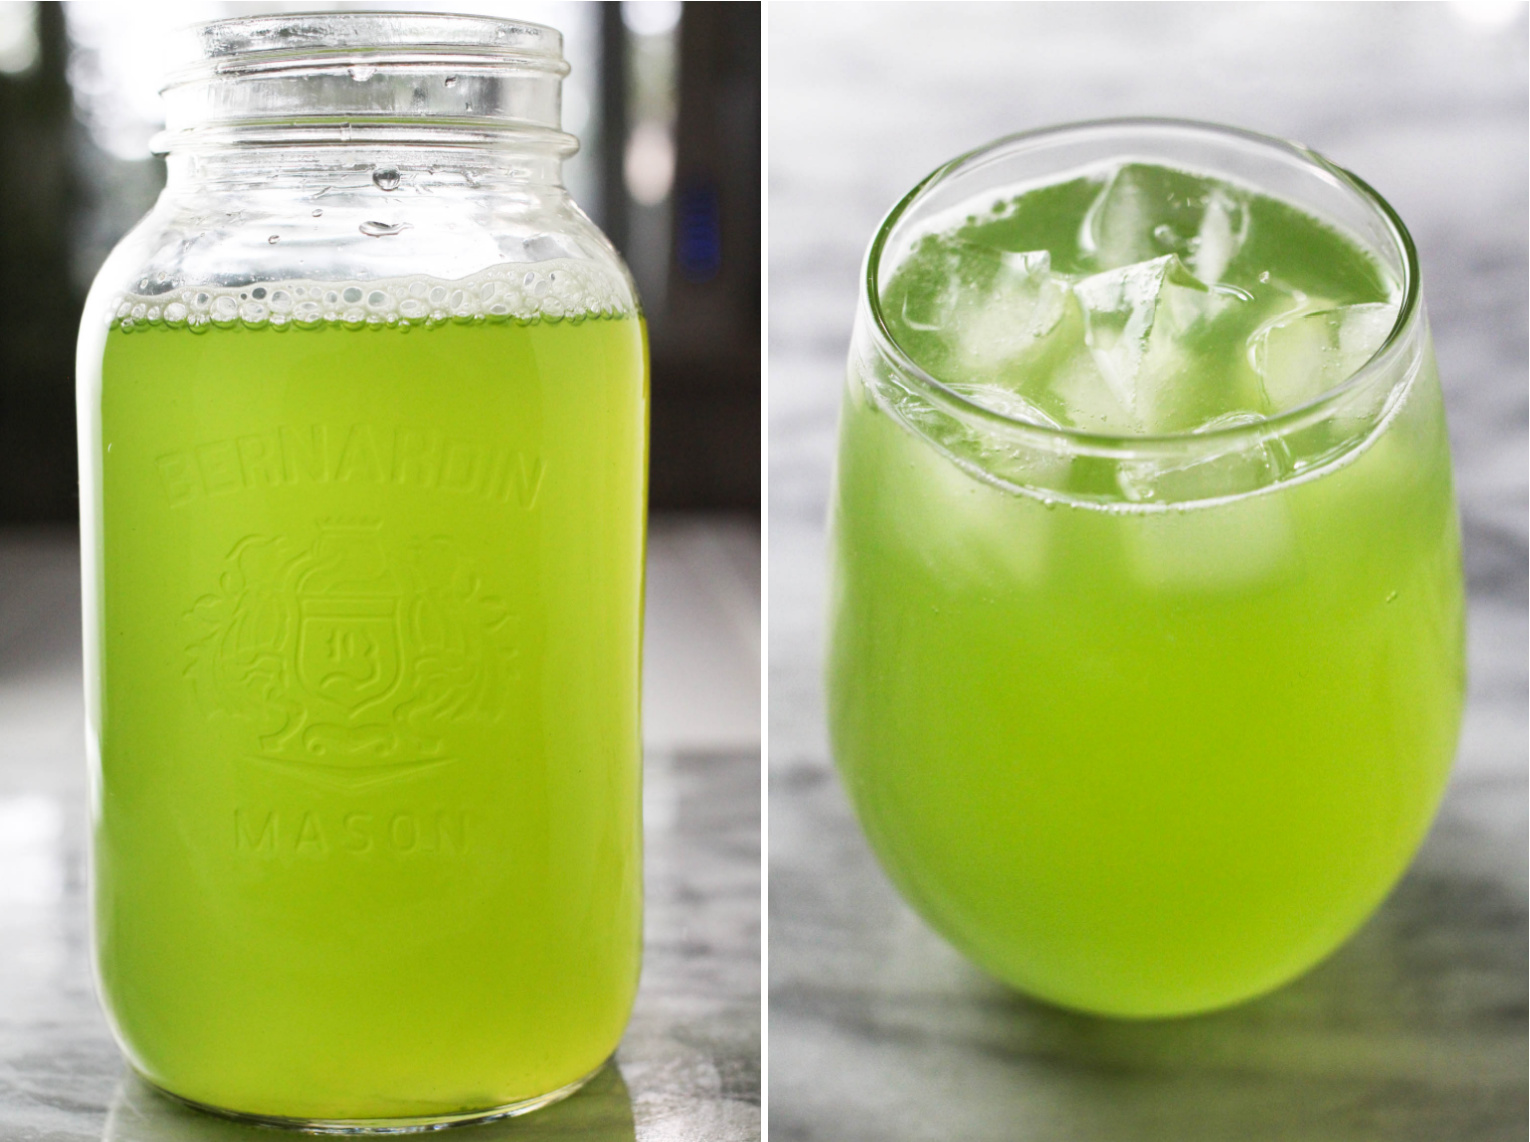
[1416, 1029]
[688, 1069]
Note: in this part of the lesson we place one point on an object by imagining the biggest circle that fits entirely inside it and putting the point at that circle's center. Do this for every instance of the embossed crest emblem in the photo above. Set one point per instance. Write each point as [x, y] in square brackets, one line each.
[349, 660]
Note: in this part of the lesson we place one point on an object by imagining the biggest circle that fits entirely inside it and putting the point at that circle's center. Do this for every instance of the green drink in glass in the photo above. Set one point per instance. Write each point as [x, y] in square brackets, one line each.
[1146, 640]
[396, 626]
[363, 423]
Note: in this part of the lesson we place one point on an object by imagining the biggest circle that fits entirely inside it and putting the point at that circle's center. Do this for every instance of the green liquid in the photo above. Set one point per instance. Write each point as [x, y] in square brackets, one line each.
[1145, 762]
[368, 835]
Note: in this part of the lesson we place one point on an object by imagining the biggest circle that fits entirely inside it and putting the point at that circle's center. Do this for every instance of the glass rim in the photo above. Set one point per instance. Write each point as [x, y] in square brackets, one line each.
[941, 393]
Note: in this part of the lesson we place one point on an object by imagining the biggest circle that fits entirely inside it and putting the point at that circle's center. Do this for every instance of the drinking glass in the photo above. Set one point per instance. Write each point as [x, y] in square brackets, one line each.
[1145, 725]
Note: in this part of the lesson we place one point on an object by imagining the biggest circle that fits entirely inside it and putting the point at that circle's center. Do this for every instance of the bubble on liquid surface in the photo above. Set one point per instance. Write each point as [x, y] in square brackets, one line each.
[385, 179]
[557, 290]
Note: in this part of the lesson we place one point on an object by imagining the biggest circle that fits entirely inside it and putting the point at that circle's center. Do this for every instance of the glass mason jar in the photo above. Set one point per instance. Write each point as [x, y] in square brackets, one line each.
[1144, 724]
[363, 444]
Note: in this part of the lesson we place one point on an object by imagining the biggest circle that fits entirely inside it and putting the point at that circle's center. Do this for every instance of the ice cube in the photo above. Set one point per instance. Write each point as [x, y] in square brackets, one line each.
[1221, 234]
[1232, 546]
[1229, 525]
[1136, 319]
[1004, 400]
[1300, 357]
[1016, 459]
[946, 507]
[1145, 212]
[1207, 470]
[1077, 394]
[1000, 306]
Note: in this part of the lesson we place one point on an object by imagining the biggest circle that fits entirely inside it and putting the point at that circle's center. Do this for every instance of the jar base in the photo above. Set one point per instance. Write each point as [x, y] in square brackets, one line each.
[409, 1125]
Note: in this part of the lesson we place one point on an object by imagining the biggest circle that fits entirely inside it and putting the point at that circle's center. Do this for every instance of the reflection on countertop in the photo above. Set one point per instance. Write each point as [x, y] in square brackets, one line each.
[600, 1112]
[689, 1065]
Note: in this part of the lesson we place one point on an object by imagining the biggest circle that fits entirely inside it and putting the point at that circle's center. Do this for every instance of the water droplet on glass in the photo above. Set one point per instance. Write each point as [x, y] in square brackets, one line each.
[451, 81]
[318, 213]
[274, 239]
[382, 229]
[1391, 596]
[386, 179]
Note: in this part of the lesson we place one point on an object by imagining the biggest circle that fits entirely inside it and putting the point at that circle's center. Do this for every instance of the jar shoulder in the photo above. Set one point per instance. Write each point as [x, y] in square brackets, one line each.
[192, 244]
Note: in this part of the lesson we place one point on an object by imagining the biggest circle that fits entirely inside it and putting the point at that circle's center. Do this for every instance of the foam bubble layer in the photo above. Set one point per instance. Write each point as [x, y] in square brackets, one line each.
[559, 290]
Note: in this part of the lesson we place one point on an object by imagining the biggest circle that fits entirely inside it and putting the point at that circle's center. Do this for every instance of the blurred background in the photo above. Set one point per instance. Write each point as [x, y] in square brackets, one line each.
[1415, 1029]
[665, 98]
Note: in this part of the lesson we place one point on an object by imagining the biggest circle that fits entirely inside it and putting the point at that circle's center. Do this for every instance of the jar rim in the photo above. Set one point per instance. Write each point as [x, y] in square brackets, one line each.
[1385, 359]
[300, 40]
[368, 78]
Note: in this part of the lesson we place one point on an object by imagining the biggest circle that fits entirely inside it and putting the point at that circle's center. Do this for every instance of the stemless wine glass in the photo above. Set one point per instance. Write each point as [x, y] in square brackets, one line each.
[363, 446]
[1145, 725]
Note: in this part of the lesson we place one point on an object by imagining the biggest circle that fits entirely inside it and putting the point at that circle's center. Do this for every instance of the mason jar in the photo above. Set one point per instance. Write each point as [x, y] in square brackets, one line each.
[363, 410]
[1145, 723]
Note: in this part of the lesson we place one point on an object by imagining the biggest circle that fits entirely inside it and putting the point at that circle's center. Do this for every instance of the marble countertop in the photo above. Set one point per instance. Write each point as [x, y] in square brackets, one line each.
[689, 1066]
[1416, 1029]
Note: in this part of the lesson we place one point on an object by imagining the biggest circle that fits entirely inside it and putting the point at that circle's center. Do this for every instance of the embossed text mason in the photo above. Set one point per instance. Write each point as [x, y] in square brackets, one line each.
[363, 437]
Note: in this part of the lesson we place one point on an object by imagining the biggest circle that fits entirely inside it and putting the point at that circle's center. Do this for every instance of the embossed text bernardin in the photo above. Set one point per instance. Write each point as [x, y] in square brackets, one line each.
[349, 454]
